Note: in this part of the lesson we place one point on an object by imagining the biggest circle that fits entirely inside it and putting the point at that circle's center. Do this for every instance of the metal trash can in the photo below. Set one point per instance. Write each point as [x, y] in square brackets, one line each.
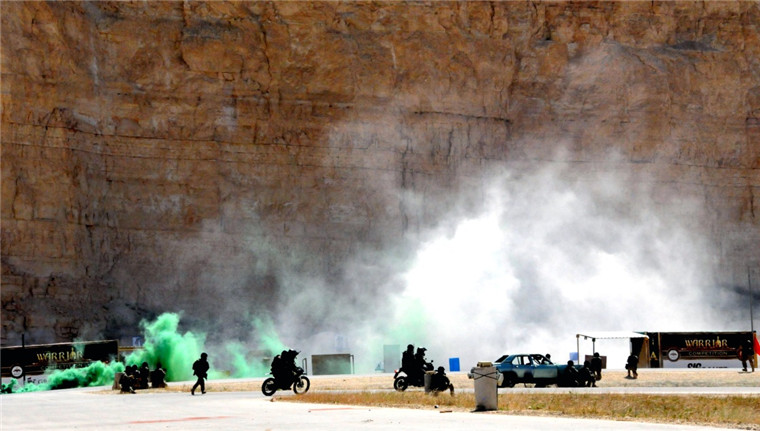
[486, 390]
[116, 378]
[428, 381]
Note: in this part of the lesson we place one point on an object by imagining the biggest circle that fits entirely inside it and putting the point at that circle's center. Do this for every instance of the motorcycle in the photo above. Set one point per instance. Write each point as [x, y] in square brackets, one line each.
[403, 381]
[300, 383]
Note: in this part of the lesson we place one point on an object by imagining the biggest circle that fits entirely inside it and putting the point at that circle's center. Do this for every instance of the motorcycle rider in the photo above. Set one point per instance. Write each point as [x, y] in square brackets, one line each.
[407, 358]
[284, 367]
[419, 358]
[409, 363]
[421, 365]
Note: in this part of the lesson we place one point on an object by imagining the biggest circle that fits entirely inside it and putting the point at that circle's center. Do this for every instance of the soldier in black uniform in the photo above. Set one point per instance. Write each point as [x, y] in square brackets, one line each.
[144, 376]
[745, 352]
[284, 368]
[127, 380]
[419, 358]
[407, 359]
[596, 366]
[158, 376]
[200, 370]
[586, 375]
[570, 376]
[439, 382]
[632, 365]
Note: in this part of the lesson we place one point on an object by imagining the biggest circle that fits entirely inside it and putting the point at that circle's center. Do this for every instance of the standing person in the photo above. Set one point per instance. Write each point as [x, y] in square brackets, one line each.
[200, 369]
[632, 366]
[596, 366]
[745, 353]
[749, 353]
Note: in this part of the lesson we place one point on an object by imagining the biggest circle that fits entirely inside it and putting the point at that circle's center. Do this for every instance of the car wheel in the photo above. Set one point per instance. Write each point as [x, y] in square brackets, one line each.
[509, 380]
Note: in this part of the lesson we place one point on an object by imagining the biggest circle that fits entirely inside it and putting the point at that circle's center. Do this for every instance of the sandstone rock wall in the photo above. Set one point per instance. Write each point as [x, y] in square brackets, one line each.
[157, 155]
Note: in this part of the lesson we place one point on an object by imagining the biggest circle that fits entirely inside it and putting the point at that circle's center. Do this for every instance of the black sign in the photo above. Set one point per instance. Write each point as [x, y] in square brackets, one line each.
[670, 347]
[35, 359]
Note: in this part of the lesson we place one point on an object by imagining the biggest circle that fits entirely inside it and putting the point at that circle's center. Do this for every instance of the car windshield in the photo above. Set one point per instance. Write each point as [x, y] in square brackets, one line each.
[501, 359]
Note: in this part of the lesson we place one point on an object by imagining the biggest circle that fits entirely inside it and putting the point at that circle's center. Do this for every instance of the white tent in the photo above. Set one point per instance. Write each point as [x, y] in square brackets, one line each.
[600, 335]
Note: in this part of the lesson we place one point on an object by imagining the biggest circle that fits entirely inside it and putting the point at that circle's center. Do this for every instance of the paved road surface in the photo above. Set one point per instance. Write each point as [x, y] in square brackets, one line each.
[87, 410]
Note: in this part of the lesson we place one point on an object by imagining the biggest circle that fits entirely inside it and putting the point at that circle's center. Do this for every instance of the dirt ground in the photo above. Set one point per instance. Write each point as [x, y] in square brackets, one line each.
[610, 378]
[615, 378]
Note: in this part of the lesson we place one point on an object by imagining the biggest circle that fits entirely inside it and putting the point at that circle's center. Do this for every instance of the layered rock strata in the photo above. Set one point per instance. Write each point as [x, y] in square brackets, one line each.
[159, 155]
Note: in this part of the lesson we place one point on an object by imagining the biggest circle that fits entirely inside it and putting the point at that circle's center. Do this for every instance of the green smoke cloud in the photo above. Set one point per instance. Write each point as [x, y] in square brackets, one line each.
[411, 323]
[176, 353]
[96, 374]
[269, 341]
[164, 344]
[251, 363]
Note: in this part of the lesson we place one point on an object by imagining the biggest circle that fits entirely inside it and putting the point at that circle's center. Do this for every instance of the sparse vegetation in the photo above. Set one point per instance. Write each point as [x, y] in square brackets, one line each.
[727, 411]
[736, 411]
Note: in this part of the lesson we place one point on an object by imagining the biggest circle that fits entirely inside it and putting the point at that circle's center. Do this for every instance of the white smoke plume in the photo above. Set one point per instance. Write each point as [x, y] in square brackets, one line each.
[558, 252]
[555, 250]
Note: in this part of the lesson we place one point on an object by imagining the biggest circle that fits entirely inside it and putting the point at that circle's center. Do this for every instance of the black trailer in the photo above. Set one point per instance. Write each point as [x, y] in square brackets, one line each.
[716, 349]
[19, 361]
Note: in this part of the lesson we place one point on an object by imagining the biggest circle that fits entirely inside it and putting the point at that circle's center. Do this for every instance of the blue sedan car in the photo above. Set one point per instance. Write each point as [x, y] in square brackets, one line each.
[530, 368]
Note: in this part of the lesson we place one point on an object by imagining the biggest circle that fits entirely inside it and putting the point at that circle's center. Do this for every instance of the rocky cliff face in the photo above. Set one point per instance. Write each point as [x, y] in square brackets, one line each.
[166, 156]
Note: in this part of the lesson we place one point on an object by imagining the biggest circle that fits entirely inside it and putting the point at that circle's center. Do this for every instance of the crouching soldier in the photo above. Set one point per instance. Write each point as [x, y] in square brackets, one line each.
[586, 375]
[439, 382]
[570, 376]
[144, 376]
[158, 376]
[126, 381]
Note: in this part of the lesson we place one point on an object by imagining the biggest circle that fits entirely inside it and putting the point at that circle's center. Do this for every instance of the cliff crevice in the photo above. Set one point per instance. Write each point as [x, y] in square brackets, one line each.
[154, 153]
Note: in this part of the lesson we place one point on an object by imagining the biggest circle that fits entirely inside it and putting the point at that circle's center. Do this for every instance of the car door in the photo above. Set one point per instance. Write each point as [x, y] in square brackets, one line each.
[543, 368]
[522, 366]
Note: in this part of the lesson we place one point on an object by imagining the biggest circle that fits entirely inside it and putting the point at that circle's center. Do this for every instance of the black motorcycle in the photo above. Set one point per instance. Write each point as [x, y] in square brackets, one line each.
[403, 381]
[300, 383]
